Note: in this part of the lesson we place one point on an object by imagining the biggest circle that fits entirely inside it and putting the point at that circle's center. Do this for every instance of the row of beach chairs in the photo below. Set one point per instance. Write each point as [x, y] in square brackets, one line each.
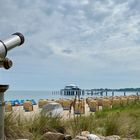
[94, 104]
[78, 105]
[67, 104]
[109, 102]
[27, 104]
[20, 102]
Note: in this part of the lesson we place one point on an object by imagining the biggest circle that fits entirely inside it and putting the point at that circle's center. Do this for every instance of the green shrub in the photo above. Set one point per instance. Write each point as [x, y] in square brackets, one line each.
[79, 124]
[112, 124]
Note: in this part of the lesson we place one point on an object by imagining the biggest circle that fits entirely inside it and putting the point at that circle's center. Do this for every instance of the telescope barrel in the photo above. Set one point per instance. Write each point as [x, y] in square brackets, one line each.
[15, 40]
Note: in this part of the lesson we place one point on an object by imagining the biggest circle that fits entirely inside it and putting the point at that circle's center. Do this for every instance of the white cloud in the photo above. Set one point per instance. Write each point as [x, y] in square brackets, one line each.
[92, 35]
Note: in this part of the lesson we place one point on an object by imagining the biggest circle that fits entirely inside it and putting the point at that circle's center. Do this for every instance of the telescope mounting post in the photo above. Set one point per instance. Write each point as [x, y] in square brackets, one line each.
[3, 88]
[15, 40]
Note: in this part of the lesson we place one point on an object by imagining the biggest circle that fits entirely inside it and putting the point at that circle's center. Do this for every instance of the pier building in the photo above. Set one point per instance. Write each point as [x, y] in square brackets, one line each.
[71, 90]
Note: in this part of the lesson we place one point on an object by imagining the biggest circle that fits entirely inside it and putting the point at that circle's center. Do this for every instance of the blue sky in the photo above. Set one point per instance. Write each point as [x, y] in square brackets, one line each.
[91, 43]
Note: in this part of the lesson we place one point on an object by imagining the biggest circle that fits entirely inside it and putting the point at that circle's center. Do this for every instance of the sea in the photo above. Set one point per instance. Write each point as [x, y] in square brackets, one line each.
[36, 95]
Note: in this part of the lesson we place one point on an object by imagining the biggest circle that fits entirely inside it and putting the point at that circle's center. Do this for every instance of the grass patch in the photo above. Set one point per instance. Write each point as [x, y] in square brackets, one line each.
[122, 120]
[18, 127]
[15, 127]
[80, 123]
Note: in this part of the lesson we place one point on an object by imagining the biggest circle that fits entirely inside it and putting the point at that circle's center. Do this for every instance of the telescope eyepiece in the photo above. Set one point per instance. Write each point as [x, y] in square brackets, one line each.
[7, 64]
[20, 36]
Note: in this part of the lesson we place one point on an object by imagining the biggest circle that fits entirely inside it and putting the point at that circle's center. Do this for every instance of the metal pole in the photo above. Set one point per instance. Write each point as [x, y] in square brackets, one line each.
[3, 88]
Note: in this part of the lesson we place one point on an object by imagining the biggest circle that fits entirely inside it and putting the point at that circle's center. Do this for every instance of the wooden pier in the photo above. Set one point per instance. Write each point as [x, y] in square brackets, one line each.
[93, 92]
[78, 91]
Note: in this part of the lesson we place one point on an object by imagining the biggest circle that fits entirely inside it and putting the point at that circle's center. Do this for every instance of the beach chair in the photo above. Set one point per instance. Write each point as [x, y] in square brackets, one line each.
[79, 107]
[66, 104]
[21, 102]
[28, 106]
[33, 102]
[116, 101]
[16, 102]
[42, 102]
[93, 105]
[106, 103]
[8, 107]
[12, 103]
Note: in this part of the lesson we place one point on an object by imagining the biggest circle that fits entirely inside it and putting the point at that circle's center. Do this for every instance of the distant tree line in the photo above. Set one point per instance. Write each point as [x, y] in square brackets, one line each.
[120, 90]
[128, 89]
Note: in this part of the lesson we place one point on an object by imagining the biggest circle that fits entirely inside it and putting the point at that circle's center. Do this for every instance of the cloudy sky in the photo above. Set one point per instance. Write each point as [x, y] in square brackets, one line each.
[91, 43]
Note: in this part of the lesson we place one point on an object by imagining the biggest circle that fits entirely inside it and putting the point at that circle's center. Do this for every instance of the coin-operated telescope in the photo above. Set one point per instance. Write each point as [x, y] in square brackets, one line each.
[15, 40]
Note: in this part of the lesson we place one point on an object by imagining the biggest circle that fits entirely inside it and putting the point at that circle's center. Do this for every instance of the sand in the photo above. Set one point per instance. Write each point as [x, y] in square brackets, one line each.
[65, 115]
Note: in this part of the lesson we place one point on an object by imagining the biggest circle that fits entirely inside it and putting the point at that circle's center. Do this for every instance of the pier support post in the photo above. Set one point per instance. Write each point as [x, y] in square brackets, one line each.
[101, 93]
[83, 92]
[3, 88]
[106, 93]
[112, 93]
[124, 94]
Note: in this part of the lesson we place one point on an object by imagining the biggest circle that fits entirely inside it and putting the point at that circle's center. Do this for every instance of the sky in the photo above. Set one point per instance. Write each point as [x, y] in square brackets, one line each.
[90, 43]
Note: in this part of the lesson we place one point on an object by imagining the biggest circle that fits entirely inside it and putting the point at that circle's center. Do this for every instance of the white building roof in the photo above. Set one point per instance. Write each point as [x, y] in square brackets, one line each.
[70, 86]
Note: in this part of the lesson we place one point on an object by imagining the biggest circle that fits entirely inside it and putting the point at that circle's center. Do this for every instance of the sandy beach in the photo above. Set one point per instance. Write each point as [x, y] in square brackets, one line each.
[85, 106]
[36, 110]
